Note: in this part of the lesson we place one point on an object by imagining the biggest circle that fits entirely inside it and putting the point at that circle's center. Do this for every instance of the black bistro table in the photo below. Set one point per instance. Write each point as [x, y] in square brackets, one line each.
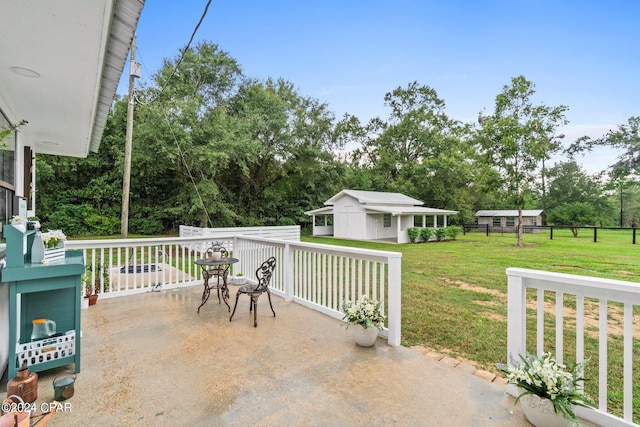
[219, 270]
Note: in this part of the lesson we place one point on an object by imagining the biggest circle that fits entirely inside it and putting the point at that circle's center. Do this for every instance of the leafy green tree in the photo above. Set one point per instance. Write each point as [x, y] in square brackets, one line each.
[626, 137]
[418, 150]
[575, 198]
[577, 214]
[515, 139]
[623, 188]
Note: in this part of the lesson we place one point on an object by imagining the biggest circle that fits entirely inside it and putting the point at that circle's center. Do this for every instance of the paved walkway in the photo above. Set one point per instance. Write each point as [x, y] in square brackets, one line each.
[150, 359]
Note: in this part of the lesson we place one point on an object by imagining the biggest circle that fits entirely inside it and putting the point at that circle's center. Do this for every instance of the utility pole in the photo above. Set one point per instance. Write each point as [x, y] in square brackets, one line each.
[134, 71]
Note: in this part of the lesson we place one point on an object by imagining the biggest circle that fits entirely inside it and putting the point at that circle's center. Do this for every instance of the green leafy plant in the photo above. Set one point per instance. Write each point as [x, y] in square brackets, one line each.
[545, 377]
[426, 233]
[52, 238]
[6, 131]
[452, 232]
[440, 233]
[365, 312]
[413, 233]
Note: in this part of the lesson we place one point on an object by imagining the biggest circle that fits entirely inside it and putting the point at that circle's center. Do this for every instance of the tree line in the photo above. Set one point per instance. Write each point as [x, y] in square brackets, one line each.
[215, 148]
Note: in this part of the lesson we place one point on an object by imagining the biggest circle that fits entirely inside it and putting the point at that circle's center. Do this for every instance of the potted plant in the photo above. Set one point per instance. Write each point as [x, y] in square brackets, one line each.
[239, 279]
[216, 252]
[550, 389]
[89, 293]
[93, 289]
[366, 314]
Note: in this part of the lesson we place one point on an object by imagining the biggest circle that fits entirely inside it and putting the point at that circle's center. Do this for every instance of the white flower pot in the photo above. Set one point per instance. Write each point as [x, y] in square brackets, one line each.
[540, 413]
[365, 337]
[239, 280]
[216, 256]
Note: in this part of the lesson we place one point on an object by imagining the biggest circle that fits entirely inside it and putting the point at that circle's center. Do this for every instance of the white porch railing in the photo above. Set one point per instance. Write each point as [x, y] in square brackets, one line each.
[320, 277]
[578, 300]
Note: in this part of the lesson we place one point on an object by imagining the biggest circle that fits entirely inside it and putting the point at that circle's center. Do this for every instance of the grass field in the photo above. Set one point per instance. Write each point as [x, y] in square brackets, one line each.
[454, 293]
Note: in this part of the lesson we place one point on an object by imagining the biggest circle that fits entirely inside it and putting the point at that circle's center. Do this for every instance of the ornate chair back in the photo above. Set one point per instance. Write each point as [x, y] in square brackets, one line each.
[264, 273]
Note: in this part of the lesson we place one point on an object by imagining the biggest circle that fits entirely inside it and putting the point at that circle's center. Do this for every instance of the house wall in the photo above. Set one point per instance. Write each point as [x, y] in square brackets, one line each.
[526, 220]
[376, 229]
[350, 220]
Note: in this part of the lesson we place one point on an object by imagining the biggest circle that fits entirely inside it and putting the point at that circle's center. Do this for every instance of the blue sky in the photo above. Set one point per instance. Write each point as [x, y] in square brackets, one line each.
[349, 53]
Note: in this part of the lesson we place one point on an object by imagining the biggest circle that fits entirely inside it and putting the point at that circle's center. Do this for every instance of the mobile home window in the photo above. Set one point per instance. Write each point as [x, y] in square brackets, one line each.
[387, 220]
[510, 221]
[497, 221]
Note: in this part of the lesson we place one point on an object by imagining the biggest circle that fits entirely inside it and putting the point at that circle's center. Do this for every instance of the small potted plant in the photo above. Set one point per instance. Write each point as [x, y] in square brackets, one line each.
[239, 279]
[216, 252]
[366, 314]
[550, 390]
[89, 293]
[92, 290]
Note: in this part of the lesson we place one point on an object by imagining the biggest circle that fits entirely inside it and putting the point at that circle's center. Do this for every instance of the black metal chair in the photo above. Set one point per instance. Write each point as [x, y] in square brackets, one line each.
[263, 274]
[217, 273]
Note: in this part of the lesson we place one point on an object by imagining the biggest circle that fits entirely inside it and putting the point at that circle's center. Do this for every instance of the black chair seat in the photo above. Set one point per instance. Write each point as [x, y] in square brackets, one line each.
[263, 273]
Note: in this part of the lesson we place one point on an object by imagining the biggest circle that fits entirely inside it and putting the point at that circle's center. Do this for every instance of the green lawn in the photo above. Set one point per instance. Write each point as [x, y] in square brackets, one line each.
[454, 293]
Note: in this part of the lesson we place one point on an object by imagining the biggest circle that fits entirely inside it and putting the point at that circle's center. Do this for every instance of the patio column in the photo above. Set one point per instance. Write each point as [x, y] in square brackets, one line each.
[288, 272]
[445, 221]
[435, 221]
[424, 221]
[516, 320]
[394, 314]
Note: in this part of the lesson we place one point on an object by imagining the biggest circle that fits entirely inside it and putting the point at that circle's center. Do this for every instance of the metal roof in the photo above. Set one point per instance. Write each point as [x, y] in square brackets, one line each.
[60, 66]
[393, 210]
[321, 211]
[376, 197]
[409, 210]
[513, 212]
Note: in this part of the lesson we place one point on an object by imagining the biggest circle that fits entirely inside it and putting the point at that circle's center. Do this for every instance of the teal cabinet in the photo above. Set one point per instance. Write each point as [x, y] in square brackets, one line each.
[50, 291]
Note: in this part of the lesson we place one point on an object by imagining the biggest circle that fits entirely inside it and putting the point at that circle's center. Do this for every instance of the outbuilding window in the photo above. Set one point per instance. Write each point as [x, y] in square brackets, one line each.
[386, 222]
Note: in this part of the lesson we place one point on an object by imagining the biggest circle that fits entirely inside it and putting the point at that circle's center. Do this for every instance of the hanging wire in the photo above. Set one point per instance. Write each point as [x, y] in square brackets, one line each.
[184, 51]
[166, 115]
[184, 161]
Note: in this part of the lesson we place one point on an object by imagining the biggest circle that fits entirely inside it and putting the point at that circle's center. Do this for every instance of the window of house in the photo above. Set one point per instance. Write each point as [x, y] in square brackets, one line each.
[7, 184]
[386, 222]
[510, 221]
[497, 221]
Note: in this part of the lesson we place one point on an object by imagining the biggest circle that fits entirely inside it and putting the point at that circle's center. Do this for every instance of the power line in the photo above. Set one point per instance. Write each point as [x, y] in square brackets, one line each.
[184, 51]
[184, 161]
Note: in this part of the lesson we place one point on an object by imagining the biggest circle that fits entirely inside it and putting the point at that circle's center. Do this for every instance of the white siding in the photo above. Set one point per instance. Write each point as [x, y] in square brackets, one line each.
[349, 219]
[376, 229]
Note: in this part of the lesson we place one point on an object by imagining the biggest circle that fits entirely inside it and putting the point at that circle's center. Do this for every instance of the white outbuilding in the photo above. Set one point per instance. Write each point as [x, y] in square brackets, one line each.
[374, 215]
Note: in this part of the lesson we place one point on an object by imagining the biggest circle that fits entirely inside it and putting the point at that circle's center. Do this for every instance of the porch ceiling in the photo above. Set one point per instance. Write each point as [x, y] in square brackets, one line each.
[60, 66]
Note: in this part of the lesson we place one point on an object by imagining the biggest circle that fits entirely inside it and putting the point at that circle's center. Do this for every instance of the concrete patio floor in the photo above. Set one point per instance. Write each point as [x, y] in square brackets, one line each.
[150, 359]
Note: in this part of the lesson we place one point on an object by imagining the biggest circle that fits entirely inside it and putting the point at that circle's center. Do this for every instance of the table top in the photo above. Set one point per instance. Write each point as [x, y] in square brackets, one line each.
[222, 261]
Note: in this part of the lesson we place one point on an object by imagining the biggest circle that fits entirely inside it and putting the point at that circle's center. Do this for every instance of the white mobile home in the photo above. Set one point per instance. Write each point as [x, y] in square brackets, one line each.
[373, 215]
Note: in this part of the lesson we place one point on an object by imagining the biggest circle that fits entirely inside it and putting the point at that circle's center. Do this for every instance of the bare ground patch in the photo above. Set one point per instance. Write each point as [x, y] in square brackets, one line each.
[615, 324]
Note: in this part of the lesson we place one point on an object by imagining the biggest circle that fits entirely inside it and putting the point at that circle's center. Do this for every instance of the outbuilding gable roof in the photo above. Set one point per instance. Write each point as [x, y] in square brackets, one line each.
[513, 212]
[376, 198]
